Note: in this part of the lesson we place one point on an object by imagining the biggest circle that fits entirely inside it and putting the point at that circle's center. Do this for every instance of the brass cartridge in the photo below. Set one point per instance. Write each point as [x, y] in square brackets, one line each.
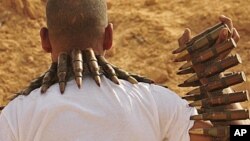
[221, 116]
[192, 97]
[206, 37]
[215, 51]
[220, 131]
[92, 65]
[77, 62]
[222, 100]
[186, 71]
[223, 65]
[108, 69]
[62, 70]
[226, 81]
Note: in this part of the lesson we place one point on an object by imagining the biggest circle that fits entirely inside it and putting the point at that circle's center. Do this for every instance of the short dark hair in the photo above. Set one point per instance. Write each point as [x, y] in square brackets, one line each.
[72, 17]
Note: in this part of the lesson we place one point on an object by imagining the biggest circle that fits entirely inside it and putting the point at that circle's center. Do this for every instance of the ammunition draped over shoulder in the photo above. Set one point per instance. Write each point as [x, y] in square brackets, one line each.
[125, 75]
[77, 62]
[143, 79]
[223, 116]
[36, 83]
[50, 73]
[221, 131]
[93, 65]
[109, 71]
[49, 77]
[222, 100]
[62, 70]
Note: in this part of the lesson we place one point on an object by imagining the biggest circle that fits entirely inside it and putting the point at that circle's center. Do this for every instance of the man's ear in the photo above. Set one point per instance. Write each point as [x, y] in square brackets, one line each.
[46, 45]
[108, 37]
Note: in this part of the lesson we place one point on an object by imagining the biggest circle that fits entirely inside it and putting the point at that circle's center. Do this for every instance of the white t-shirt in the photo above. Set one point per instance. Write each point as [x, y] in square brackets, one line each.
[126, 112]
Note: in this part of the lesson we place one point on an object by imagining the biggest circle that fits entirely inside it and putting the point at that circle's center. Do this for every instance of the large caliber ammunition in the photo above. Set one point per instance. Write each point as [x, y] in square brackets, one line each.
[215, 51]
[36, 83]
[208, 53]
[142, 79]
[196, 91]
[62, 70]
[222, 100]
[191, 79]
[207, 37]
[217, 93]
[124, 75]
[211, 34]
[192, 97]
[221, 131]
[221, 83]
[190, 84]
[223, 65]
[226, 81]
[194, 80]
[186, 71]
[220, 116]
[186, 65]
[214, 78]
[109, 71]
[93, 65]
[213, 109]
[183, 56]
[216, 67]
[77, 62]
[208, 40]
[49, 77]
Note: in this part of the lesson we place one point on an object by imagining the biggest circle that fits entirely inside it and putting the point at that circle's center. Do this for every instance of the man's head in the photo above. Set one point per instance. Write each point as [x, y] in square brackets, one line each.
[76, 24]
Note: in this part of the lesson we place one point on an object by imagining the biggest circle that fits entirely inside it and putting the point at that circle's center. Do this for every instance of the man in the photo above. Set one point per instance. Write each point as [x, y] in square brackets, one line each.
[140, 112]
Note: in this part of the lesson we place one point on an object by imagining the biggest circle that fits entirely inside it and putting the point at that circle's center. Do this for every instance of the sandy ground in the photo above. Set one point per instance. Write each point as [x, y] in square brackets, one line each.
[145, 35]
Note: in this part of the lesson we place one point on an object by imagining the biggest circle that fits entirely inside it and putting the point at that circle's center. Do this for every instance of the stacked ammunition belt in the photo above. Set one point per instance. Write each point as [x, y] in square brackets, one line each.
[207, 61]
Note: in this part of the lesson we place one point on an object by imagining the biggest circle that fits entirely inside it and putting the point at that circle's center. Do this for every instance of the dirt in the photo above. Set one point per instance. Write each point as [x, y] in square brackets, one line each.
[146, 32]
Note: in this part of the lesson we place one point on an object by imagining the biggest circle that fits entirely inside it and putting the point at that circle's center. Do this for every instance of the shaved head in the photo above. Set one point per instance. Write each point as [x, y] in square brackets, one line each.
[75, 19]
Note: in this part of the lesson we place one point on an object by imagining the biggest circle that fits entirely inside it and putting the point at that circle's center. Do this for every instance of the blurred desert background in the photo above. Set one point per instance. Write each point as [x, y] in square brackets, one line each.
[146, 32]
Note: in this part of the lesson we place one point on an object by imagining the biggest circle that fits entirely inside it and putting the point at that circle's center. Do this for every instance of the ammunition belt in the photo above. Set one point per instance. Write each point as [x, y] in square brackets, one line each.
[208, 62]
[76, 65]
